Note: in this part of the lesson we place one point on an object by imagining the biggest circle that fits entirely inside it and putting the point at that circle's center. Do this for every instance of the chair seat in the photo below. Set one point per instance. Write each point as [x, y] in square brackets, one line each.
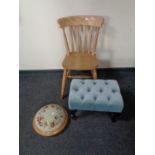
[80, 61]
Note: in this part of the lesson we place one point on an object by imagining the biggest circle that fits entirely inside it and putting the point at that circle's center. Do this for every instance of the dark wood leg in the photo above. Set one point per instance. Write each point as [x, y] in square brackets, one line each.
[73, 115]
[114, 116]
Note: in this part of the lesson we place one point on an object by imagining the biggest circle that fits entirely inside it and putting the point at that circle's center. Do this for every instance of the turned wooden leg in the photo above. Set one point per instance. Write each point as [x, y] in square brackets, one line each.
[73, 115]
[114, 116]
[63, 82]
[94, 73]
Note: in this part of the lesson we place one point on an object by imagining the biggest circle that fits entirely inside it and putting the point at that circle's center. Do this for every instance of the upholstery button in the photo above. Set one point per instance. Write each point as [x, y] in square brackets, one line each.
[88, 90]
[108, 98]
[106, 83]
[101, 90]
[82, 97]
[94, 82]
[113, 90]
[95, 97]
[82, 82]
[76, 89]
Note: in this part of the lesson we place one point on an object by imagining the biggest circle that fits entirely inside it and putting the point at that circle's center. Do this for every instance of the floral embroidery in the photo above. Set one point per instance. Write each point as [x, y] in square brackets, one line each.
[45, 124]
[52, 124]
[52, 105]
[50, 117]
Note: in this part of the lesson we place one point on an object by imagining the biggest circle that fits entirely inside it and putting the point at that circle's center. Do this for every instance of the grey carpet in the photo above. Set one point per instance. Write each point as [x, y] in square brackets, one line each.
[92, 133]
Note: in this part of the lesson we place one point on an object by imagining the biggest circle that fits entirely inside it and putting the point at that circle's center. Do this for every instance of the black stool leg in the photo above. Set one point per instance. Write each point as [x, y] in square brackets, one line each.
[73, 115]
[114, 116]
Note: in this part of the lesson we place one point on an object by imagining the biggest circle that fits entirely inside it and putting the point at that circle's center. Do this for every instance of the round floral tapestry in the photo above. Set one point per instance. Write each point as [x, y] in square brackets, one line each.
[50, 120]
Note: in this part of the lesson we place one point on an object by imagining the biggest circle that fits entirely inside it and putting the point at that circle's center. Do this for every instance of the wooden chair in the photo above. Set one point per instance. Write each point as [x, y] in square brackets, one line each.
[80, 35]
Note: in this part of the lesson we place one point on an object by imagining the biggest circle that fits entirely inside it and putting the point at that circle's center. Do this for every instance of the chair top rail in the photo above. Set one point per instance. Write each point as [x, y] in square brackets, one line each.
[88, 20]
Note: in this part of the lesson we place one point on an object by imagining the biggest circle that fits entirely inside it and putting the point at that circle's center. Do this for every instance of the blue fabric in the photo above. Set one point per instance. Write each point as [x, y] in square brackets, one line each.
[95, 95]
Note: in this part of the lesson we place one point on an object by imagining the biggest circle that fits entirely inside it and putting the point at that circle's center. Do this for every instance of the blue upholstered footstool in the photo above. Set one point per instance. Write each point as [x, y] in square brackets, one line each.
[95, 95]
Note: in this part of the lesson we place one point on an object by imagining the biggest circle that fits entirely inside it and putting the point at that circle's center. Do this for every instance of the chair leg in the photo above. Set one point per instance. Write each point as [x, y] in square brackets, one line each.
[94, 73]
[68, 72]
[63, 82]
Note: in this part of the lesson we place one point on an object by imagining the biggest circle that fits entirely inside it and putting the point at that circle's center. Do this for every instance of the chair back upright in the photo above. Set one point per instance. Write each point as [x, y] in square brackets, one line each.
[81, 33]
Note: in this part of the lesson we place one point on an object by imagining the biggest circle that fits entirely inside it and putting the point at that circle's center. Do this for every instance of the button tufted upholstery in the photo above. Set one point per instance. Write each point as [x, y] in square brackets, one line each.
[96, 95]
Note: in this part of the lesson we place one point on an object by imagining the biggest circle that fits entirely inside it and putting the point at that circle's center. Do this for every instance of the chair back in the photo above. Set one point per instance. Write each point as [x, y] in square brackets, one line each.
[81, 33]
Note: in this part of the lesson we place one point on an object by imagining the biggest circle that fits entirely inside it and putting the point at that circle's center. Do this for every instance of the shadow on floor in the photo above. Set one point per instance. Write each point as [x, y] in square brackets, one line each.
[129, 106]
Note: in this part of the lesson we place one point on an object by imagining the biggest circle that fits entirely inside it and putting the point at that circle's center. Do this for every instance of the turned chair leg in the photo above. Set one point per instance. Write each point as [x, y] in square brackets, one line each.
[64, 78]
[94, 73]
[73, 115]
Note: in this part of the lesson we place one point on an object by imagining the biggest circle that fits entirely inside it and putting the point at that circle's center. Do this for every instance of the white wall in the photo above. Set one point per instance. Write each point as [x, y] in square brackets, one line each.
[41, 40]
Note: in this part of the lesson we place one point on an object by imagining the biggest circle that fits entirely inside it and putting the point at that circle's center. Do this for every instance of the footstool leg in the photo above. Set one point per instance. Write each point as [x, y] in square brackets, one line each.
[114, 116]
[73, 115]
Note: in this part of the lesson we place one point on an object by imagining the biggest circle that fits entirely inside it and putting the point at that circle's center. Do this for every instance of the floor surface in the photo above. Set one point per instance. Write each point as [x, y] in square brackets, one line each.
[92, 133]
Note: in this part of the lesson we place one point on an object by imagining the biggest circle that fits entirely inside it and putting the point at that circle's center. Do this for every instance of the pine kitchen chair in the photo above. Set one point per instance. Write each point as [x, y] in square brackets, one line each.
[80, 35]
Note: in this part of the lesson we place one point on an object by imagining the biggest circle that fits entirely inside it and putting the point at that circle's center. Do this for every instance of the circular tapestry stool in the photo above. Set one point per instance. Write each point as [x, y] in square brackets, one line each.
[50, 120]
